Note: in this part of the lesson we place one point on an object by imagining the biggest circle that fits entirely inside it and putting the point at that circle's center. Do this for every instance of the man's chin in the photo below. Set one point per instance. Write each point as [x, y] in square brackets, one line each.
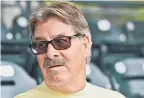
[57, 80]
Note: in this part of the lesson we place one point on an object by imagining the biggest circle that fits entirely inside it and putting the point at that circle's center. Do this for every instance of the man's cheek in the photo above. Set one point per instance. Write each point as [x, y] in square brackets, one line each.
[40, 60]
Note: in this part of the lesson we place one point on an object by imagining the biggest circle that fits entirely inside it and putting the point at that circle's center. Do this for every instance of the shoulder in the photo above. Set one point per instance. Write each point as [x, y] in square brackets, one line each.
[104, 93]
[30, 93]
[27, 94]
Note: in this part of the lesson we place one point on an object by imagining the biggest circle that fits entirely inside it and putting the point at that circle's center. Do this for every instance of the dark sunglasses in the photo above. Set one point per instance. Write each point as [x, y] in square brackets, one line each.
[59, 43]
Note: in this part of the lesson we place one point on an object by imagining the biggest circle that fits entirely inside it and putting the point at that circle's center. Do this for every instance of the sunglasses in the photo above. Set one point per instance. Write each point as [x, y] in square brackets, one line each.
[59, 43]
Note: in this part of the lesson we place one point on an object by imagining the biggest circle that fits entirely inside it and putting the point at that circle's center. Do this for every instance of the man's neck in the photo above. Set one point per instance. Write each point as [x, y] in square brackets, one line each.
[74, 86]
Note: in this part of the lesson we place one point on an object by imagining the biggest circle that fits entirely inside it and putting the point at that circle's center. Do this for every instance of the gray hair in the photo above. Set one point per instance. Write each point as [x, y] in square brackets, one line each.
[66, 12]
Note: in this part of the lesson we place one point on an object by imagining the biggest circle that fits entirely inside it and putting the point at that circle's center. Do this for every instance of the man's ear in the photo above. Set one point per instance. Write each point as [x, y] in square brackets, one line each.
[87, 45]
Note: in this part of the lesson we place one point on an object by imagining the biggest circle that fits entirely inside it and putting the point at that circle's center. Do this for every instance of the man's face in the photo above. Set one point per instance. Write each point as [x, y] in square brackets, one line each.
[61, 66]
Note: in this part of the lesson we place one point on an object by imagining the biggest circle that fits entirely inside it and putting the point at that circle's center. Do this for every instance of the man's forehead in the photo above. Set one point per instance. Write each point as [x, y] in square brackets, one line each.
[39, 33]
[51, 29]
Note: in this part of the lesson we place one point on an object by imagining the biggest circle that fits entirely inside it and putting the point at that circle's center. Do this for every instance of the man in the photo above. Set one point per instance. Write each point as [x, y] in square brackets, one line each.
[62, 42]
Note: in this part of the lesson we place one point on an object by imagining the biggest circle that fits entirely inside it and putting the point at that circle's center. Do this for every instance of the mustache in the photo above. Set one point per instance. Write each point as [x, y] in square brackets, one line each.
[48, 62]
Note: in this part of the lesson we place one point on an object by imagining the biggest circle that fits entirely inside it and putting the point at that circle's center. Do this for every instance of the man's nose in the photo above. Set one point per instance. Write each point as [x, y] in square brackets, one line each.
[51, 52]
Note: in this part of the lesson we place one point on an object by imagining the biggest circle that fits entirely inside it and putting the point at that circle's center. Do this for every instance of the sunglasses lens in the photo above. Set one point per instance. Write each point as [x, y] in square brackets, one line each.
[61, 43]
[38, 47]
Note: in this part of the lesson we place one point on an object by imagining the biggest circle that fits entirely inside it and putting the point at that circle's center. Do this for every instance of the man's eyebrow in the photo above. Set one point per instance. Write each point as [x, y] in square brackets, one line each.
[59, 35]
[38, 38]
[42, 38]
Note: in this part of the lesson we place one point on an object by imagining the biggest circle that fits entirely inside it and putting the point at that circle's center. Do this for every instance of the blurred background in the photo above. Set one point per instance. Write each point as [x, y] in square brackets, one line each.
[117, 29]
